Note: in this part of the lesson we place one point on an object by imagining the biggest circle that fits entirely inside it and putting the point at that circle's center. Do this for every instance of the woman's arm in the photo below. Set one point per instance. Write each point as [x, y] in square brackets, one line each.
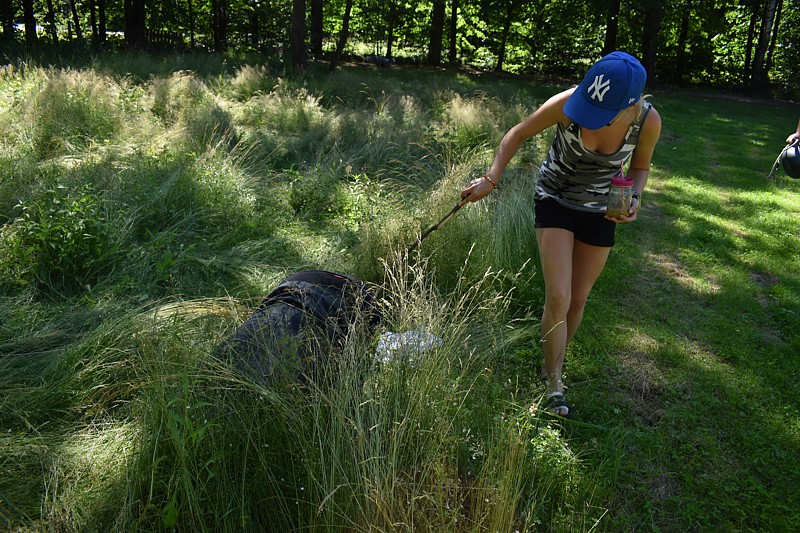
[547, 115]
[639, 167]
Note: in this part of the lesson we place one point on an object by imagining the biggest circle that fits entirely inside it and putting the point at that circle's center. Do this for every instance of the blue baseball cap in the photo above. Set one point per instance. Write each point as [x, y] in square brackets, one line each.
[613, 83]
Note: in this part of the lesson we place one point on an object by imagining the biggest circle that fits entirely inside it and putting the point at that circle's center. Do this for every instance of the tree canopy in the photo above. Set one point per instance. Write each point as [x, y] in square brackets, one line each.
[740, 44]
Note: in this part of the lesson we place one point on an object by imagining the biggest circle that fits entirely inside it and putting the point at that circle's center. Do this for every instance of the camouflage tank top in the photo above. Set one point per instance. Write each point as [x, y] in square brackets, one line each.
[579, 178]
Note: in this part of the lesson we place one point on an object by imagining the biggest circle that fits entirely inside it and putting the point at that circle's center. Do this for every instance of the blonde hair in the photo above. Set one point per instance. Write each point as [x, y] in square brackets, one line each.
[639, 107]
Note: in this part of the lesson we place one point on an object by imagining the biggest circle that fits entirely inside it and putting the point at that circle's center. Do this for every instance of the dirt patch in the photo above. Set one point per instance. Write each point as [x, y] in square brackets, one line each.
[671, 269]
[763, 282]
[650, 210]
[643, 384]
[662, 487]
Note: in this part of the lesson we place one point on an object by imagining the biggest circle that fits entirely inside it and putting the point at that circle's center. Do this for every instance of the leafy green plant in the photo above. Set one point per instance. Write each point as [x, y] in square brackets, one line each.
[61, 241]
[363, 201]
[316, 194]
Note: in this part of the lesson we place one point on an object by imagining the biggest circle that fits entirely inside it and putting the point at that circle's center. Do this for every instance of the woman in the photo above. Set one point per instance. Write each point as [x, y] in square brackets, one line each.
[601, 124]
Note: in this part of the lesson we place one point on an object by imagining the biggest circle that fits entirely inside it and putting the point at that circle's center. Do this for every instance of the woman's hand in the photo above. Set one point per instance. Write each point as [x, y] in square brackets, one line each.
[477, 189]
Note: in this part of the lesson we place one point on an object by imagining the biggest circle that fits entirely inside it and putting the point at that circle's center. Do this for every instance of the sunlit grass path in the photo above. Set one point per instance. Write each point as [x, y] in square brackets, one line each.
[704, 298]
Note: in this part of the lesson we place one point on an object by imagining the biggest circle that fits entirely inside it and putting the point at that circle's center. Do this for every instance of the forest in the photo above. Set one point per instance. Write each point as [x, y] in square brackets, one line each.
[750, 46]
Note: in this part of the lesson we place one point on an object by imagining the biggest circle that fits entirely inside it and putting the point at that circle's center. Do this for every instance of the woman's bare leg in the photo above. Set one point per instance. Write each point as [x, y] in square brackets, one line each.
[570, 268]
[555, 251]
[588, 263]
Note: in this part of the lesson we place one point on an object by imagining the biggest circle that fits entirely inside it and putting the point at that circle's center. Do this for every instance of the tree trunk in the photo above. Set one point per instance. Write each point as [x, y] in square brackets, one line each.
[214, 34]
[683, 36]
[7, 14]
[317, 17]
[759, 76]
[501, 56]
[299, 35]
[220, 24]
[255, 25]
[653, 15]
[751, 36]
[103, 33]
[776, 26]
[190, 8]
[452, 56]
[437, 32]
[612, 28]
[30, 23]
[76, 21]
[135, 23]
[93, 22]
[51, 22]
[342, 36]
[391, 22]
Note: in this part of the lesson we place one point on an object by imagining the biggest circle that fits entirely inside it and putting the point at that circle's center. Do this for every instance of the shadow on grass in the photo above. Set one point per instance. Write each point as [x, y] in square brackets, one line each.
[694, 359]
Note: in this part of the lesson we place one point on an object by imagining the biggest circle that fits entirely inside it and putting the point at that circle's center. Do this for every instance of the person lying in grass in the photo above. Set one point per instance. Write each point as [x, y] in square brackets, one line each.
[298, 332]
[600, 125]
[299, 327]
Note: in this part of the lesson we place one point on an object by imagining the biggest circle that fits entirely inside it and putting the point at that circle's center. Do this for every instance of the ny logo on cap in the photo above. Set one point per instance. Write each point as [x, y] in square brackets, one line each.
[599, 87]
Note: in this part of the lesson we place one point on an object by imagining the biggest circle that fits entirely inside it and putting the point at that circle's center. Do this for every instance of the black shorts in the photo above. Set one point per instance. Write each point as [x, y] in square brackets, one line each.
[589, 227]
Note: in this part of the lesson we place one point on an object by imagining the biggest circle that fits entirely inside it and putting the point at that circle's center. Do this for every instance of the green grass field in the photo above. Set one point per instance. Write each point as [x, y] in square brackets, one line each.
[148, 205]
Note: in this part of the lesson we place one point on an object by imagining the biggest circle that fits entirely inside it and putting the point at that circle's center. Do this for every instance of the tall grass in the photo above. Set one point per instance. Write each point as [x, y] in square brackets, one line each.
[179, 439]
[143, 217]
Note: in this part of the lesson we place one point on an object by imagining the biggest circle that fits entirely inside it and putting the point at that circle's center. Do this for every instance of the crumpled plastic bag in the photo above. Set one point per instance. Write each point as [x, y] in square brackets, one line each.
[410, 344]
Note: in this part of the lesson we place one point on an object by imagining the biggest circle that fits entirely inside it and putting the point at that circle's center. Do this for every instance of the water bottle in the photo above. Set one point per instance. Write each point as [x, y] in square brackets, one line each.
[619, 197]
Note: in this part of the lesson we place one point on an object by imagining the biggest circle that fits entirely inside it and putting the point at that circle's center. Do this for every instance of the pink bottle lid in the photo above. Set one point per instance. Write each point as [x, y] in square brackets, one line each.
[622, 181]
